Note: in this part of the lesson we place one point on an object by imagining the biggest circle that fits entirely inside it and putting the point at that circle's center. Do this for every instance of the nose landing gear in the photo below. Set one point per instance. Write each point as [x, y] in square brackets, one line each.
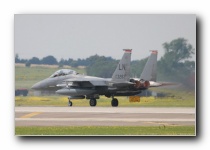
[70, 102]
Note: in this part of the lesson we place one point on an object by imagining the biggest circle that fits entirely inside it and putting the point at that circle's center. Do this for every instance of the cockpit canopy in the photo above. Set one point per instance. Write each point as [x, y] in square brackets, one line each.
[63, 72]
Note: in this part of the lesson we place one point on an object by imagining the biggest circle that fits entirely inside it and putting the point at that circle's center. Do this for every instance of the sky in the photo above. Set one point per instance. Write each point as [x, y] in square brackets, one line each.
[81, 36]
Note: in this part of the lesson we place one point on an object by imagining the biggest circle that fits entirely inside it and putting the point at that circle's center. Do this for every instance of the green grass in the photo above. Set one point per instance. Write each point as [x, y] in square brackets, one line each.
[180, 92]
[102, 102]
[108, 130]
[25, 77]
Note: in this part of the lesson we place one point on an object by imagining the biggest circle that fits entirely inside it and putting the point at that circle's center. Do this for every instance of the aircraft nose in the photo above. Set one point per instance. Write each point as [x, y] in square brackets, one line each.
[36, 86]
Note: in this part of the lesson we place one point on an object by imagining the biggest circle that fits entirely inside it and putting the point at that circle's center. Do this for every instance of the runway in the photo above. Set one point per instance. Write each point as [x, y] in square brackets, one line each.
[104, 116]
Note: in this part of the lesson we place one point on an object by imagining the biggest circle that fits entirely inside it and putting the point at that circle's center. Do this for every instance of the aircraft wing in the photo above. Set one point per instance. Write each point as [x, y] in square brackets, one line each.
[84, 82]
[90, 82]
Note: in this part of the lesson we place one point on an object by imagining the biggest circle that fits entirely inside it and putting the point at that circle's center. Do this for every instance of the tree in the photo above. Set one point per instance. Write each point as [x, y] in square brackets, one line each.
[69, 61]
[137, 67]
[28, 64]
[92, 59]
[178, 49]
[49, 60]
[34, 60]
[61, 62]
[23, 60]
[175, 64]
[101, 66]
[74, 64]
[17, 59]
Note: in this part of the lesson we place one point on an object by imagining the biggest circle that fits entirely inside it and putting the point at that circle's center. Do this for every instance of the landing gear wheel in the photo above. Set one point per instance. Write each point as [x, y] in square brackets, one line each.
[93, 102]
[114, 102]
[70, 102]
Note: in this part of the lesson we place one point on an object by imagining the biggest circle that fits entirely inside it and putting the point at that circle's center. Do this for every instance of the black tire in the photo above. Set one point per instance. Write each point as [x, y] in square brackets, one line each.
[70, 103]
[93, 102]
[114, 102]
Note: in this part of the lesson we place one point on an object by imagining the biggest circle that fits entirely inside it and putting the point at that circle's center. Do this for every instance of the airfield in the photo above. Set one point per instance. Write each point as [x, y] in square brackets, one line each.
[50, 115]
[104, 116]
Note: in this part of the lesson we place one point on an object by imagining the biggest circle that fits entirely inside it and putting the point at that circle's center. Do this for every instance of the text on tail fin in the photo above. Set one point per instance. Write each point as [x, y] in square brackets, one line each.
[122, 72]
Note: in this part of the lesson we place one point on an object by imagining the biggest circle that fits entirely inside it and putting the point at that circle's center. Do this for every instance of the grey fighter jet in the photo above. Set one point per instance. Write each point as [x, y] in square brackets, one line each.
[77, 86]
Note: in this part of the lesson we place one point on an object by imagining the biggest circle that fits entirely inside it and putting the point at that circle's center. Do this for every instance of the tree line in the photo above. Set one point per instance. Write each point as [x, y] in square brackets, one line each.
[51, 60]
[174, 65]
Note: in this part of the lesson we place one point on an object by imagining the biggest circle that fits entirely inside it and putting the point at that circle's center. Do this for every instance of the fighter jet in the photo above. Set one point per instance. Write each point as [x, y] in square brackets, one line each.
[77, 86]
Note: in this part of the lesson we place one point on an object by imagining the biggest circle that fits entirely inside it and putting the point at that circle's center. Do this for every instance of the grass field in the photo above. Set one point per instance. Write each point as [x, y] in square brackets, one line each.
[25, 77]
[108, 130]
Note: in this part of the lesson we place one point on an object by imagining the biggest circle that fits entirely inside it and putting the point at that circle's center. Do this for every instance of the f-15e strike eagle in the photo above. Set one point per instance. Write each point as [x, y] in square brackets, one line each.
[78, 86]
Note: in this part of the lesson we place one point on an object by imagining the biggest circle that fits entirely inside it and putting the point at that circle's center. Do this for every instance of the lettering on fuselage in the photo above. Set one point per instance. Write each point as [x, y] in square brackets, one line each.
[120, 76]
[121, 66]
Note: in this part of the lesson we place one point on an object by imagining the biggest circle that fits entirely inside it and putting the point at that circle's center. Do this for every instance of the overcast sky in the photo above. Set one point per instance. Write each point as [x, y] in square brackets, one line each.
[81, 36]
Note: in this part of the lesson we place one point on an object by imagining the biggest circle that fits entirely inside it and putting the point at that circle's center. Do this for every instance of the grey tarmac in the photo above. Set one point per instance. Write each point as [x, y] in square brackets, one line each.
[104, 116]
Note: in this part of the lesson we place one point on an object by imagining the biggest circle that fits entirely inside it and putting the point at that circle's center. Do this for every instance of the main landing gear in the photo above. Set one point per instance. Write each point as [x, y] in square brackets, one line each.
[93, 102]
[114, 102]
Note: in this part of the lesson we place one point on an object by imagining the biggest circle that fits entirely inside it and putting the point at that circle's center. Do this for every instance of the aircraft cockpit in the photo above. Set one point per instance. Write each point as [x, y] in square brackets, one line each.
[63, 72]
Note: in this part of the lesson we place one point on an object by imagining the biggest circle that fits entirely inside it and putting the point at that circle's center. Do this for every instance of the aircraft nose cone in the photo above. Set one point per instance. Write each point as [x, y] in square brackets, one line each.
[36, 86]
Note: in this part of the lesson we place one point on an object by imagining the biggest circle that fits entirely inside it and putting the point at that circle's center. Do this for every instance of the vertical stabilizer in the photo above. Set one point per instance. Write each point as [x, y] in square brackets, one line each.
[122, 72]
[150, 69]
